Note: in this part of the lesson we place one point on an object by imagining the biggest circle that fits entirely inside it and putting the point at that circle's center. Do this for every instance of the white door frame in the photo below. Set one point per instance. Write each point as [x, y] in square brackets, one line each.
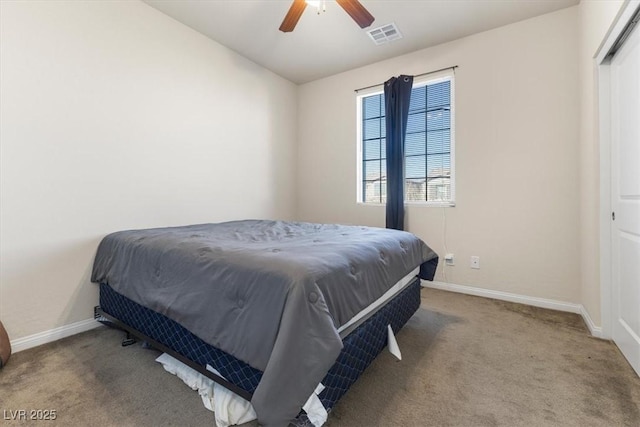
[604, 117]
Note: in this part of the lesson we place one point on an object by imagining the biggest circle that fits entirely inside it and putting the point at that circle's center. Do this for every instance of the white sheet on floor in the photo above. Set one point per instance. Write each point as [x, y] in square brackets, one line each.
[392, 344]
[315, 410]
[229, 408]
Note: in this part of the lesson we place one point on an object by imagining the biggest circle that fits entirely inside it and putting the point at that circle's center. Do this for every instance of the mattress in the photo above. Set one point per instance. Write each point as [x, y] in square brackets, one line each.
[360, 347]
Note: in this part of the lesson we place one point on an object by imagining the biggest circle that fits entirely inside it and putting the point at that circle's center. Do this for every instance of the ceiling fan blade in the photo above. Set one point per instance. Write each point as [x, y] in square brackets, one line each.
[357, 12]
[291, 19]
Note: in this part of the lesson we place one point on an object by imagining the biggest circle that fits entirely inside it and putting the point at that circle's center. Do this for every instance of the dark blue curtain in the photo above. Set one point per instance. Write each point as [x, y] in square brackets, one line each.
[397, 94]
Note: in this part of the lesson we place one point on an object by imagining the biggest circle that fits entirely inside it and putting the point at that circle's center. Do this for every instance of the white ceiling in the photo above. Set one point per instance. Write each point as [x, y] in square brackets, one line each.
[329, 43]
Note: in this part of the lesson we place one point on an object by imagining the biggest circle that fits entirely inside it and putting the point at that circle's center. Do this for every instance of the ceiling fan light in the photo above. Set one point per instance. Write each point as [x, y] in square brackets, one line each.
[314, 3]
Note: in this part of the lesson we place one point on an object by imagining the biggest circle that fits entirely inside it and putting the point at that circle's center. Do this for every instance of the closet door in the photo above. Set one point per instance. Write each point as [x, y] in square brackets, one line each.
[625, 198]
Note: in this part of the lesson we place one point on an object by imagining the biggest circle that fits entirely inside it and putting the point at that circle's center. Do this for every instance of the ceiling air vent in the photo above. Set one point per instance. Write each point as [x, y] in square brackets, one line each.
[385, 34]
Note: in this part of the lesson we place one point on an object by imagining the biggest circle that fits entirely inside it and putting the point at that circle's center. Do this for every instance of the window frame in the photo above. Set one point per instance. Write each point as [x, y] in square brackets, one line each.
[447, 75]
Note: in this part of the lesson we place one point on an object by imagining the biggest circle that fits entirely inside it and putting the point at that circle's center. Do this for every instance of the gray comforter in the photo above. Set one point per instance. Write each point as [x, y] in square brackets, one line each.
[270, 293]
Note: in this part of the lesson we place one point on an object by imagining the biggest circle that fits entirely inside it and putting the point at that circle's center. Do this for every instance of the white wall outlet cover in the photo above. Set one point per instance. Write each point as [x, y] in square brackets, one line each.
[475, 262]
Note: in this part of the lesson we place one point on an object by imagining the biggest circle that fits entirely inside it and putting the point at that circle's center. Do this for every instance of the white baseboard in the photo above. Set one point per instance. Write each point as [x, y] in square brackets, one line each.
[596, 331]
[569, 307]
[53, 335]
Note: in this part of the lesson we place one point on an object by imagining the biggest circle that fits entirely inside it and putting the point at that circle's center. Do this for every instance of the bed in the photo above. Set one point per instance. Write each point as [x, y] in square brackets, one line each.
[268, 304]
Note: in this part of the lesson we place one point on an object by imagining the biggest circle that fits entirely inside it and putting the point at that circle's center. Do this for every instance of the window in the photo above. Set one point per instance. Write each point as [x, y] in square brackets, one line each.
[429, 143]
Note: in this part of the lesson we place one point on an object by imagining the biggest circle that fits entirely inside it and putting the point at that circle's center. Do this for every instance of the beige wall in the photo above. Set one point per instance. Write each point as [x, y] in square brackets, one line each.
[596, 17]
[115, 116]
[517, 184]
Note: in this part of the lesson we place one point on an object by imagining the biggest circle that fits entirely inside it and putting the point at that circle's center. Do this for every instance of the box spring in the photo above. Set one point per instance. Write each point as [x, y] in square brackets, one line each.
[361, 346]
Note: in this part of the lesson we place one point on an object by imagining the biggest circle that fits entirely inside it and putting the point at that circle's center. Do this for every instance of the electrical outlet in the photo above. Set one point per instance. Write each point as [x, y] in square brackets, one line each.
[449, 259]
[475, 262]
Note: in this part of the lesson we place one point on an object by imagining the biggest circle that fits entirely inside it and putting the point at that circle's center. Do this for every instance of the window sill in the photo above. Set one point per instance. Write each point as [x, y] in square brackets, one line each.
[418, 204]
[432, 204]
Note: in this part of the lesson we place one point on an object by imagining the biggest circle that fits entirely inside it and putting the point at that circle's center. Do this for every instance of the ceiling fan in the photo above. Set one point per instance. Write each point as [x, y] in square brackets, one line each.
[353, 7]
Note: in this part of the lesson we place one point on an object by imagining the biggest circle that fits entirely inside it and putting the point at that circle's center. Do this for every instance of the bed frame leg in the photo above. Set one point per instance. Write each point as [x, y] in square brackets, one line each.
[128, 340]
[100, 317]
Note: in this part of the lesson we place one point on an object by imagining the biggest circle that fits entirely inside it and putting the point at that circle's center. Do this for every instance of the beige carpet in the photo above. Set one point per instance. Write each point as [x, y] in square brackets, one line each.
[467, 361]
